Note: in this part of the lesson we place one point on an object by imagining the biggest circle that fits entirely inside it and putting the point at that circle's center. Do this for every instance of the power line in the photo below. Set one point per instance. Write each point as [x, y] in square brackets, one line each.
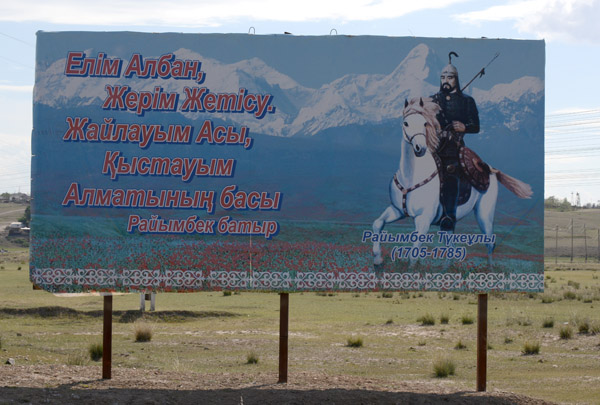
[17, 39]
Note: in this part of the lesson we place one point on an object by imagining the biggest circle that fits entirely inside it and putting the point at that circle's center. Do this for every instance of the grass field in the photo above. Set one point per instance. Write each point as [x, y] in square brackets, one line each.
[213, 332]
[585, 223]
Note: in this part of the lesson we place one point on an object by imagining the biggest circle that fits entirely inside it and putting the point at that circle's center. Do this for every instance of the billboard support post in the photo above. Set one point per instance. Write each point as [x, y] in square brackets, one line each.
[107, 338]
[482, 300]
[284, 307]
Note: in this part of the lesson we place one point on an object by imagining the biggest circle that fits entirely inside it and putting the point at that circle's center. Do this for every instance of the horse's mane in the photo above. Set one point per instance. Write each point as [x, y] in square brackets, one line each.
[428, 109]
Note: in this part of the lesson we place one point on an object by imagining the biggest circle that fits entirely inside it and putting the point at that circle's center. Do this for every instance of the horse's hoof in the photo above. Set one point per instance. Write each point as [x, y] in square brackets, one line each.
[377, 260]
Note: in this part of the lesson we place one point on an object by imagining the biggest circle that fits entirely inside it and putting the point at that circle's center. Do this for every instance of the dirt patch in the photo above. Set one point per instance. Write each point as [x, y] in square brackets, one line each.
[82, 384]
[120, 316]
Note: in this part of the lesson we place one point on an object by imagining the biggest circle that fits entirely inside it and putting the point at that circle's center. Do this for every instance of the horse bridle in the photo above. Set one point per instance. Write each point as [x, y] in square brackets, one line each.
[410, 139]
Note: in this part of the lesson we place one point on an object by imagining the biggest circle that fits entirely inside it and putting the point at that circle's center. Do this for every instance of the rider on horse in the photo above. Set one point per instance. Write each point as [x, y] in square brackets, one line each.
[458, 116]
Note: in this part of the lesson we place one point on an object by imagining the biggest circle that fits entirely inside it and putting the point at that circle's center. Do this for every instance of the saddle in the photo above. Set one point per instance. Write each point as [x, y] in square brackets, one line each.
[473, 172]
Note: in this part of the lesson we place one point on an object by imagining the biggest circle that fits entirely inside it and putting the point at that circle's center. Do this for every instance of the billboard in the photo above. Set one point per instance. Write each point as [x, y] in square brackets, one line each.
[192, 162]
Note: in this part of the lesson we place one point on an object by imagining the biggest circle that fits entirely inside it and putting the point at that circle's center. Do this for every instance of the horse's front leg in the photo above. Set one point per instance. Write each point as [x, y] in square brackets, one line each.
[390, 214]
[422, 224]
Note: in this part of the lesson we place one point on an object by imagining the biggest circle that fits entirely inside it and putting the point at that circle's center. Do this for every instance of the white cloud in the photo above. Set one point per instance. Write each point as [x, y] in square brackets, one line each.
[207, 13]
[570, 20]
[16, 88]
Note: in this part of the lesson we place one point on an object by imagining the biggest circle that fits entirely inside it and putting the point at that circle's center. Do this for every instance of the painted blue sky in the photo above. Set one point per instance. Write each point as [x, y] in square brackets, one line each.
[569, 28]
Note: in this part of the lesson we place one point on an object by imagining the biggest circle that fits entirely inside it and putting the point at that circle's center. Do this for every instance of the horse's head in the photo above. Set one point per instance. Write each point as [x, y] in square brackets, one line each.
[420, 127]
[413, 129]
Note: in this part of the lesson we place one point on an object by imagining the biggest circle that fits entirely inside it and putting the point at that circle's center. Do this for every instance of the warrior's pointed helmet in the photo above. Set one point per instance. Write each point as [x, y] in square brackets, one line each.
[451, 69]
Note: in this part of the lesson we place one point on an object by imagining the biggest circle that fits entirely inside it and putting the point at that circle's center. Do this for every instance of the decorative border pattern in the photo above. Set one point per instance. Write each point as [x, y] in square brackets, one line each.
[71, 280]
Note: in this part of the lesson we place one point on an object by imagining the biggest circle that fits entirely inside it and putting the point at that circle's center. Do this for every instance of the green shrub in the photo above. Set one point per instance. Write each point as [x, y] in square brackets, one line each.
[565, 332]
[443, 367]
[583, 327]
[508, 340]
[573, 284]
[547, 299]
[95, 351]
[460, 345]
[389, 321]
[227, 293]
[467, 319]
[355, 342]
[252, 358]
[569, 295]
[444, 319]
[426, 319]
[531, 348]
[548, 323]
[143, 333]
[387, 294]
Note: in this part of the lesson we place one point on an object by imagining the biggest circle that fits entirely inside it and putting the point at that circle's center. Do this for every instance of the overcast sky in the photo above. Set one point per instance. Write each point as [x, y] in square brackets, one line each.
[570, 28]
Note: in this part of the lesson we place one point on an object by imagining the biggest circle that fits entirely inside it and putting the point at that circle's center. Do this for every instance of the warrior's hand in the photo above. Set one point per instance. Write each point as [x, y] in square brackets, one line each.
[458, 126]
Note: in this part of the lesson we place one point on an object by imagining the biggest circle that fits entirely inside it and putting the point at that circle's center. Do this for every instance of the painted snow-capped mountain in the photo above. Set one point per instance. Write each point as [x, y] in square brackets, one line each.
[511, 103]
[353, 99]
[361, 99]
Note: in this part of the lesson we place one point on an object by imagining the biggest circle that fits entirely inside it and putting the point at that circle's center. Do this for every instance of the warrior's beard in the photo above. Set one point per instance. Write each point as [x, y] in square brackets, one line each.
[446, 88]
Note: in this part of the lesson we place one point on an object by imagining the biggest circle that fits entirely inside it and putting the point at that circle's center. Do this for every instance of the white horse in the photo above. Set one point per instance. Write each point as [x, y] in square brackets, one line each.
[415, 188]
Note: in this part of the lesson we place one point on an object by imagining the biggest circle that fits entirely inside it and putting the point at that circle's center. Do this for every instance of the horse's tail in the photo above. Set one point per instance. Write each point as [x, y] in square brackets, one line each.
[518, 187]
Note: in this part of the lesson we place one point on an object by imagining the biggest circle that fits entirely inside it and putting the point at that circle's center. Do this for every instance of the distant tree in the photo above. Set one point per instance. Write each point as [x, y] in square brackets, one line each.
[26, 216]
[551, 202]
[565, 205]
[554, 203]
[5, 196]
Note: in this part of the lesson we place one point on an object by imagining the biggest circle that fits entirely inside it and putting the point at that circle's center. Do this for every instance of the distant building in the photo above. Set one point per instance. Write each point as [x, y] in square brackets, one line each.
[19, 198]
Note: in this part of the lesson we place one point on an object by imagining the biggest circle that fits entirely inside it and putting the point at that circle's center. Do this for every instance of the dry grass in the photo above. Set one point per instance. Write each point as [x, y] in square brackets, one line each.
[95, 351]
[218, 339]
[252, 358]
[426, 320]
[531, 348]
[355, 342]
[143, 332]
[443, 367]
[467, 319]
[565, 332]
